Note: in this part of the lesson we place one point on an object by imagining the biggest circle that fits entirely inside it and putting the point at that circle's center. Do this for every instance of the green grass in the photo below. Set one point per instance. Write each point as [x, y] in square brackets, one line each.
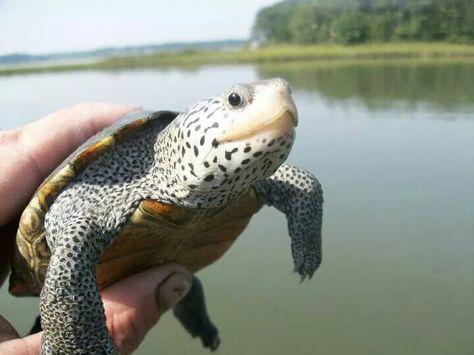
[273, 54]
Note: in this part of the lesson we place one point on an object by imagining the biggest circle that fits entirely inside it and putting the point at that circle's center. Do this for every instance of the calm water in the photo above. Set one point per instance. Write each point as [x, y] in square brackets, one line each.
[393, 146]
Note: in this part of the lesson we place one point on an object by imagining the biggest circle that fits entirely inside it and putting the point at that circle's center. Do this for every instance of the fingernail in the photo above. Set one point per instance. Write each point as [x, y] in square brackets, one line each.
[171, 291]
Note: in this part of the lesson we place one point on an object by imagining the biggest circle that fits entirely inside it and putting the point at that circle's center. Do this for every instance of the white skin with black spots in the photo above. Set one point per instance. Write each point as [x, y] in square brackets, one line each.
[206, 157]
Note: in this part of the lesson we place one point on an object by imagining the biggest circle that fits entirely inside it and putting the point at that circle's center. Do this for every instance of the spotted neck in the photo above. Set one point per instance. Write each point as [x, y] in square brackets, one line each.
[172, 171]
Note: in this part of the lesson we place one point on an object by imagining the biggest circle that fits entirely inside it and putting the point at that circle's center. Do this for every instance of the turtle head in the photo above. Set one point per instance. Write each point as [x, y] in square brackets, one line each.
[227, 142]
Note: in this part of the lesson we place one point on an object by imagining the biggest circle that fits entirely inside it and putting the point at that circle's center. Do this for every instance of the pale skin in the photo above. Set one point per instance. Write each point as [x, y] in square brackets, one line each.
[27, 156]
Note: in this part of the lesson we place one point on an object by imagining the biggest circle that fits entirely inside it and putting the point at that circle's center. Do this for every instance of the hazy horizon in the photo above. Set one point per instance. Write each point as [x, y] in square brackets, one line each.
[55, 26]
[119, 46]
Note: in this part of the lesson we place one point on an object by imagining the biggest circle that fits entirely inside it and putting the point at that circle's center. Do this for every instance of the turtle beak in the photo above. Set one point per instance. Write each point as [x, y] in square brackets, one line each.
[284, 121]
[273, 111]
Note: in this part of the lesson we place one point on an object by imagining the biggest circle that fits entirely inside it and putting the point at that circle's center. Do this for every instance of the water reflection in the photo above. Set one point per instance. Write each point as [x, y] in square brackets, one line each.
[384, 85]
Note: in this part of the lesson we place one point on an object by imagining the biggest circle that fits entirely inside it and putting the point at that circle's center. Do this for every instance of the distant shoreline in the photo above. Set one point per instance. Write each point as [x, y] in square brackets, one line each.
[271, 54]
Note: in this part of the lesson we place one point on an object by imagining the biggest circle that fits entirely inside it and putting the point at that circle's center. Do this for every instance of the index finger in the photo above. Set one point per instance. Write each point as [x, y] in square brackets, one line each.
[30, 153]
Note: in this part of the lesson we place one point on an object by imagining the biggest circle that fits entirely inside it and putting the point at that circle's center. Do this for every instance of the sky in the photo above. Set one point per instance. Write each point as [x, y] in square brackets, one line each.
[45, 26]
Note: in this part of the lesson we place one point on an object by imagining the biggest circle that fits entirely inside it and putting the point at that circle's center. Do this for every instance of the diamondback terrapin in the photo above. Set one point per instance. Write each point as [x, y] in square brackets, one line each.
[157, 187]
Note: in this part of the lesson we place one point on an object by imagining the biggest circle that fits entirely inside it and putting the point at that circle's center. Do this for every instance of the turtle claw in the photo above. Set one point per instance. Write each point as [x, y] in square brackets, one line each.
[211, 341]
[303, 278]
[215, 344]
[305, 270]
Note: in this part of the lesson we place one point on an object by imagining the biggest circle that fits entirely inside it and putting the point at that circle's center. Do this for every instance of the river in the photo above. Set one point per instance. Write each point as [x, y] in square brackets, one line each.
[393, 146]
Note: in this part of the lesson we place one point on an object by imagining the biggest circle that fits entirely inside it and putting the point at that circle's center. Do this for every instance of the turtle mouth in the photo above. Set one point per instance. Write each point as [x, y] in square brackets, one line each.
[283, 122]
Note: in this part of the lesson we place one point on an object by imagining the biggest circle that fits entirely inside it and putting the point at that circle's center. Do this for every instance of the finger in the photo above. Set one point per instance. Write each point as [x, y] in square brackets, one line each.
[52, 138]
[30, 153]
[134, 305]
[10, 343]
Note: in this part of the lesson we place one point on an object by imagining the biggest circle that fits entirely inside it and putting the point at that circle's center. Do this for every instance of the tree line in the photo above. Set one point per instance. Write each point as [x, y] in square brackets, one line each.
[361, 21]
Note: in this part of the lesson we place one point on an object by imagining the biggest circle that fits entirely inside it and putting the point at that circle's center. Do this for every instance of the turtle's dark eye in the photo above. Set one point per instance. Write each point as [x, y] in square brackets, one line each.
[234, 99]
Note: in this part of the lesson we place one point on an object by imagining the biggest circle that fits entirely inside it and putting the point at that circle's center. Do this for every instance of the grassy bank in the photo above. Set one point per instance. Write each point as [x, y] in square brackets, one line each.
[276, 54]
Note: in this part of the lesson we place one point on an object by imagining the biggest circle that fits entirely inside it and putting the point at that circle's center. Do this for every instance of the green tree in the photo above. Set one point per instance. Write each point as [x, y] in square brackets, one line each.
[271, 24]
[467, 25]
[356, 21]
[350, 28]
[304, 25]
[381, 27]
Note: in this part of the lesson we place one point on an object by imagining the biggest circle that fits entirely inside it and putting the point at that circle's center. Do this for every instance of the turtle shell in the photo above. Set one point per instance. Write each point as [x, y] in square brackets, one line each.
[156, 233]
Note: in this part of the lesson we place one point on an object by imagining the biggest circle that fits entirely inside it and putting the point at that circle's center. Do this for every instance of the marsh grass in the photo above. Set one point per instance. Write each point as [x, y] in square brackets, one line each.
[272, 54]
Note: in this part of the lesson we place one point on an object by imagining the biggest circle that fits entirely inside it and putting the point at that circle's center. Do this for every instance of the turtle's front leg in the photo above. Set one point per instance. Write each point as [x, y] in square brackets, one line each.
[298, 194]
[72, 313]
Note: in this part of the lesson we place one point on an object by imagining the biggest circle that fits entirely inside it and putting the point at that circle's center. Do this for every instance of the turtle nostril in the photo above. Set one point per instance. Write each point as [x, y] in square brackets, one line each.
[281, 83]
[282, 87]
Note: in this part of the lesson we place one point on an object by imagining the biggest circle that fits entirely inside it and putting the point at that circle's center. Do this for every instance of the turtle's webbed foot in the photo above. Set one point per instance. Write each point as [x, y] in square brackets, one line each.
[199, 327]
[304, 273]
[192, 313]
[209, 337]
[307, 268]
[307, 259]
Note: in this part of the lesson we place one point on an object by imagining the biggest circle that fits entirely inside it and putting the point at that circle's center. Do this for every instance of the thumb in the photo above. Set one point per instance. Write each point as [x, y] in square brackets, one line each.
[134, 304]
[132, 307]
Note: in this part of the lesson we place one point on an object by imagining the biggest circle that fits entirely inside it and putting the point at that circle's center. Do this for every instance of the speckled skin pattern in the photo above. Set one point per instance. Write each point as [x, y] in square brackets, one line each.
[298, 194]
[186, 164]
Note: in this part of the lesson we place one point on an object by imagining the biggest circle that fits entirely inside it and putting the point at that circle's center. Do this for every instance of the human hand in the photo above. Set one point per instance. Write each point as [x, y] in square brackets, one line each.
[27, 156]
